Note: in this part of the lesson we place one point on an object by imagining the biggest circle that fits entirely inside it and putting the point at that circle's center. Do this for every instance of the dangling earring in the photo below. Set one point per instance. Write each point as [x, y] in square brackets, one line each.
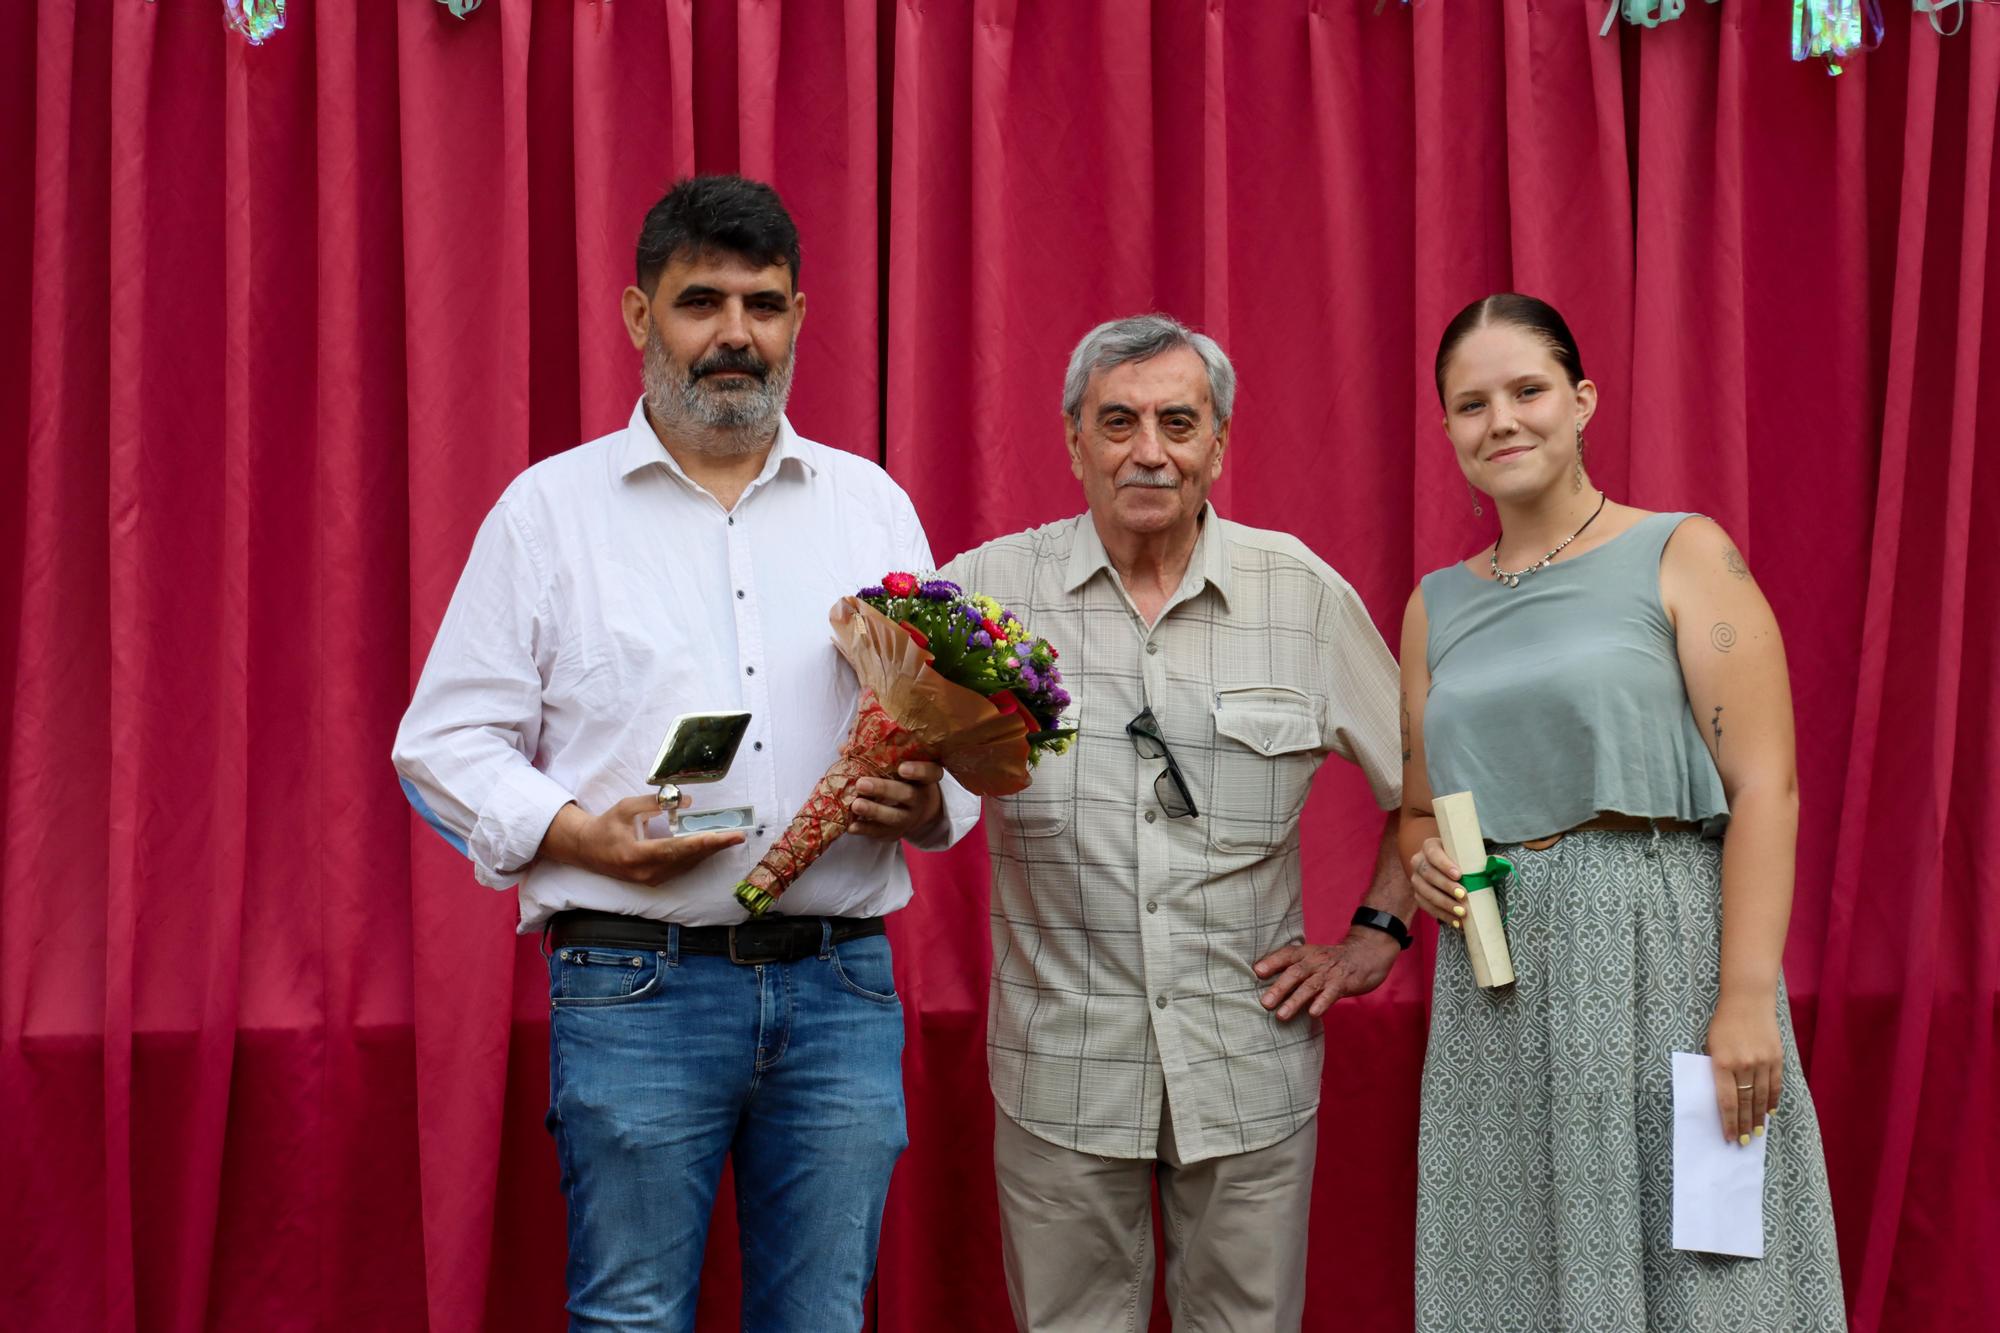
[1576, 477]
[1477, 512]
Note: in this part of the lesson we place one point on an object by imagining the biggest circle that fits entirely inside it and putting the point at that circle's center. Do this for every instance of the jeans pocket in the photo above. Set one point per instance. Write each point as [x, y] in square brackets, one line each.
[864, 967]
[581, 975]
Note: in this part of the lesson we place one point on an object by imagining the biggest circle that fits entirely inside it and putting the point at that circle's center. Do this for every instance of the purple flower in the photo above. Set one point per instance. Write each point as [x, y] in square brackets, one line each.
[979, 638]
[939, 590]
[1029, 678]
[972, 616]
[872, 590]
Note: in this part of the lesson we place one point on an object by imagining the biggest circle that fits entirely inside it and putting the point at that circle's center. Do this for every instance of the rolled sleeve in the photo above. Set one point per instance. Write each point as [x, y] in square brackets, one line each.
[511, 825]
[464, 745]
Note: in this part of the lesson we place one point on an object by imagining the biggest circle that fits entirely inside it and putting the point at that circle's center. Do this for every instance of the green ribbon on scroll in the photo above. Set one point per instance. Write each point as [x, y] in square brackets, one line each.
[1494, 876]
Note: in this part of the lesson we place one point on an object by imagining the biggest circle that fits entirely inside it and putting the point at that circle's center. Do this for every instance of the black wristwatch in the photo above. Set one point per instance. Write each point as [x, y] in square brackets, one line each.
[1386, 922]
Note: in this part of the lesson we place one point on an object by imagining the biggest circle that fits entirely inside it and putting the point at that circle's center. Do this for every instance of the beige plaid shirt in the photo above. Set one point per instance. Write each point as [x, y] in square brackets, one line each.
[1123, 939]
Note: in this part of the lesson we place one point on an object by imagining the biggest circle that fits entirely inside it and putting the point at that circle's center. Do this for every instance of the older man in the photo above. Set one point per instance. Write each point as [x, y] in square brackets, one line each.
[686, 564]
[1153, 1000]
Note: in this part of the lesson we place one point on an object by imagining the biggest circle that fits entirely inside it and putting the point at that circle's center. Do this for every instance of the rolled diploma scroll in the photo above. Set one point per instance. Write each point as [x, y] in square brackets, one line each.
[1485, 937]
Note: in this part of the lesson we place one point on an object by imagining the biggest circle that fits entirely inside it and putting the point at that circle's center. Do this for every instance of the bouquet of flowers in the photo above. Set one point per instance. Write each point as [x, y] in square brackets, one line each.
[945, 677]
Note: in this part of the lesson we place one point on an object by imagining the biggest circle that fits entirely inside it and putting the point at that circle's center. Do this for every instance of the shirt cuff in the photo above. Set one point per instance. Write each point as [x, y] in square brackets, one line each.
[512, 824]
[961, 814]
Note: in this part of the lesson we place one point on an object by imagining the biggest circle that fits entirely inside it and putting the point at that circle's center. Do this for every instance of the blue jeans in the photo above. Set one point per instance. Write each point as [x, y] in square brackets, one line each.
[663, 1063]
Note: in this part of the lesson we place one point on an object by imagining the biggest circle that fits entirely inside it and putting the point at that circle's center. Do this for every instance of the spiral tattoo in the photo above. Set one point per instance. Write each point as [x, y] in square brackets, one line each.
[1722, 636]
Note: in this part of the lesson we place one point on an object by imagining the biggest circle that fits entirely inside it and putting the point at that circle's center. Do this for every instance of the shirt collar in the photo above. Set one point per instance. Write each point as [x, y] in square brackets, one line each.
[639, 447]
[1208, 563]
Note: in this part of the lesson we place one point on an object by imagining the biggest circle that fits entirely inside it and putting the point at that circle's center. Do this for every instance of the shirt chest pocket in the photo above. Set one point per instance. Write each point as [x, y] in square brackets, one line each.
[1046, 807]
[1266, 749]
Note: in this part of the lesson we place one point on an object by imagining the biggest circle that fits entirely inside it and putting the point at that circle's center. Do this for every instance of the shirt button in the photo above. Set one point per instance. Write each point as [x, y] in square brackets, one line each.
[1150, 816]
[739, 594]
[749, 671]
[1159, 1001]
[1152, 648]
[1152, 905]
[731, 520]
[756, 745]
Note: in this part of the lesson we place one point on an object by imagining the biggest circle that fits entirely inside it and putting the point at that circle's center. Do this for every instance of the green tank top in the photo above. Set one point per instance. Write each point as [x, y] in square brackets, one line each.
[1563, 698]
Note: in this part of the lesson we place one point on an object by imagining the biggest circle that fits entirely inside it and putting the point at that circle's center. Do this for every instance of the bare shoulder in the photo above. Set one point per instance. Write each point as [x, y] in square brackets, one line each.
[1700, 549]
[1415, 636]
[1414, 613]
[1705, 581]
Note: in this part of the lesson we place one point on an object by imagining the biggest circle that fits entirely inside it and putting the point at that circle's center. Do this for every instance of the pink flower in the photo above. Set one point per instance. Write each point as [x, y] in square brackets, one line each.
[899, 584]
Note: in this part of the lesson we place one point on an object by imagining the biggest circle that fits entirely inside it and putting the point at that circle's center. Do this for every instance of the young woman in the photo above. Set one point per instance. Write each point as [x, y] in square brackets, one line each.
[1610, 685]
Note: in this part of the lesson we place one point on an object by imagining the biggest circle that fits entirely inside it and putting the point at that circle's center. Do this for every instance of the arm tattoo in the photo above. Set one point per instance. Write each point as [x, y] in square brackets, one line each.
[1715, 723]
[1733, 560]
[1722, 636]
[1406, 730]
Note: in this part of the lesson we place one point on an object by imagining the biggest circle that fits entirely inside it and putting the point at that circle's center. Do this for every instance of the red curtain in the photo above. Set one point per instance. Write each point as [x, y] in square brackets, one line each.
[280, 322]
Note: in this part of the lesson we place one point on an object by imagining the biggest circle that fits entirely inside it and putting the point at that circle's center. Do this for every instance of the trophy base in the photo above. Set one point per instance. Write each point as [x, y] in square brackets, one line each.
[727, 819]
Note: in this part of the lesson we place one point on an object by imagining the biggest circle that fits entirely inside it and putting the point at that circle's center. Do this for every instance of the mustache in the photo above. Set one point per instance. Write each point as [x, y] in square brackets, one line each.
[730, 359]
[1152, 478]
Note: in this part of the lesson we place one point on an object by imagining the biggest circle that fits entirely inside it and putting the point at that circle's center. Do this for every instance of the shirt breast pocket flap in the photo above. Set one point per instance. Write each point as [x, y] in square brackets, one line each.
[1269, 719]
[1267, 745]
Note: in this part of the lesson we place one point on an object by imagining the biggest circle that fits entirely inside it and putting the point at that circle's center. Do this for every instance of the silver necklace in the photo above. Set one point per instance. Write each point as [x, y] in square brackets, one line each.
[1513, 580]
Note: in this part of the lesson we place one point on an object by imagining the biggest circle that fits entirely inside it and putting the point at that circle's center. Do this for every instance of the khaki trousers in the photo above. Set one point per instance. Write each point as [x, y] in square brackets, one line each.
[1076, 1233]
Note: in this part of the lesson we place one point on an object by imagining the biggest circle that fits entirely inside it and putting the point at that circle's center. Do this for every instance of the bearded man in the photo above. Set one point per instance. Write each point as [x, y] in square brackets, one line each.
[686, 564]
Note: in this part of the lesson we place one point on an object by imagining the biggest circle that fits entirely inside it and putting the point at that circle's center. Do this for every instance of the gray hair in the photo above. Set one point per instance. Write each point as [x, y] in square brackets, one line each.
[1141, 338]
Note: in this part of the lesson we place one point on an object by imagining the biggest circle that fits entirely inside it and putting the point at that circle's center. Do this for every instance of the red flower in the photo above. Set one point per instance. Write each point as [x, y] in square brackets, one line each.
[1008, 702]
[917, 634]
[899, 585]
[993, 629]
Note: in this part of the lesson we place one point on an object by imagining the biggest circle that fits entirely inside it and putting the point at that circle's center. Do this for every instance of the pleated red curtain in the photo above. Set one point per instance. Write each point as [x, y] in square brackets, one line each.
[277, 324]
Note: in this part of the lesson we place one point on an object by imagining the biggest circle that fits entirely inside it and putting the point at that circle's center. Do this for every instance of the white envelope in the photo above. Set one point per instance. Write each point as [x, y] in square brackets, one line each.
[1718, 1185]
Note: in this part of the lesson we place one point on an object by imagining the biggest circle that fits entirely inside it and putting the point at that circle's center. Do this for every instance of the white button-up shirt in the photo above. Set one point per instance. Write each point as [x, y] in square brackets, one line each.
[607, 593]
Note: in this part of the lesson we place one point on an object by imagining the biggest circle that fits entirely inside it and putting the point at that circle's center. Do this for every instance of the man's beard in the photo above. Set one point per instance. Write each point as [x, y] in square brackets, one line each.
[708, 417]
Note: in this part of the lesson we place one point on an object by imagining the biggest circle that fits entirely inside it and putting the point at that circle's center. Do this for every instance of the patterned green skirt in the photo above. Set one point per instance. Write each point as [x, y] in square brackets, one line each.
[1545, 1154]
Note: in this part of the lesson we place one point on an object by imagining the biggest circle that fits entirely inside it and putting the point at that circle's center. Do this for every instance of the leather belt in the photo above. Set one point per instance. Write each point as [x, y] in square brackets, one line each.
[770, 939]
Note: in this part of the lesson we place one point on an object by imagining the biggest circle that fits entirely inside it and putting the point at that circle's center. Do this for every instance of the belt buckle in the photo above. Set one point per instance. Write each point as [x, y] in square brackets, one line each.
[749, 960]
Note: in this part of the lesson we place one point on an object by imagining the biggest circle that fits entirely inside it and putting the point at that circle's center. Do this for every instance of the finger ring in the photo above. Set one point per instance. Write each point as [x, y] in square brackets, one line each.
[1745, 1087]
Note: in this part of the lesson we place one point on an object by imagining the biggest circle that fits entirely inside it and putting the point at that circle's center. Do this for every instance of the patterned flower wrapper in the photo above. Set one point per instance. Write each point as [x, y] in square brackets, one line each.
[908, 711]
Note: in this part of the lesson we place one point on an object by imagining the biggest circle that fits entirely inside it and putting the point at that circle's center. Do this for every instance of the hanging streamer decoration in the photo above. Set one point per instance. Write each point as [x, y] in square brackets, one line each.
[1937, 7]
[255, 19]
[1835, 29]
[1645, 13]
